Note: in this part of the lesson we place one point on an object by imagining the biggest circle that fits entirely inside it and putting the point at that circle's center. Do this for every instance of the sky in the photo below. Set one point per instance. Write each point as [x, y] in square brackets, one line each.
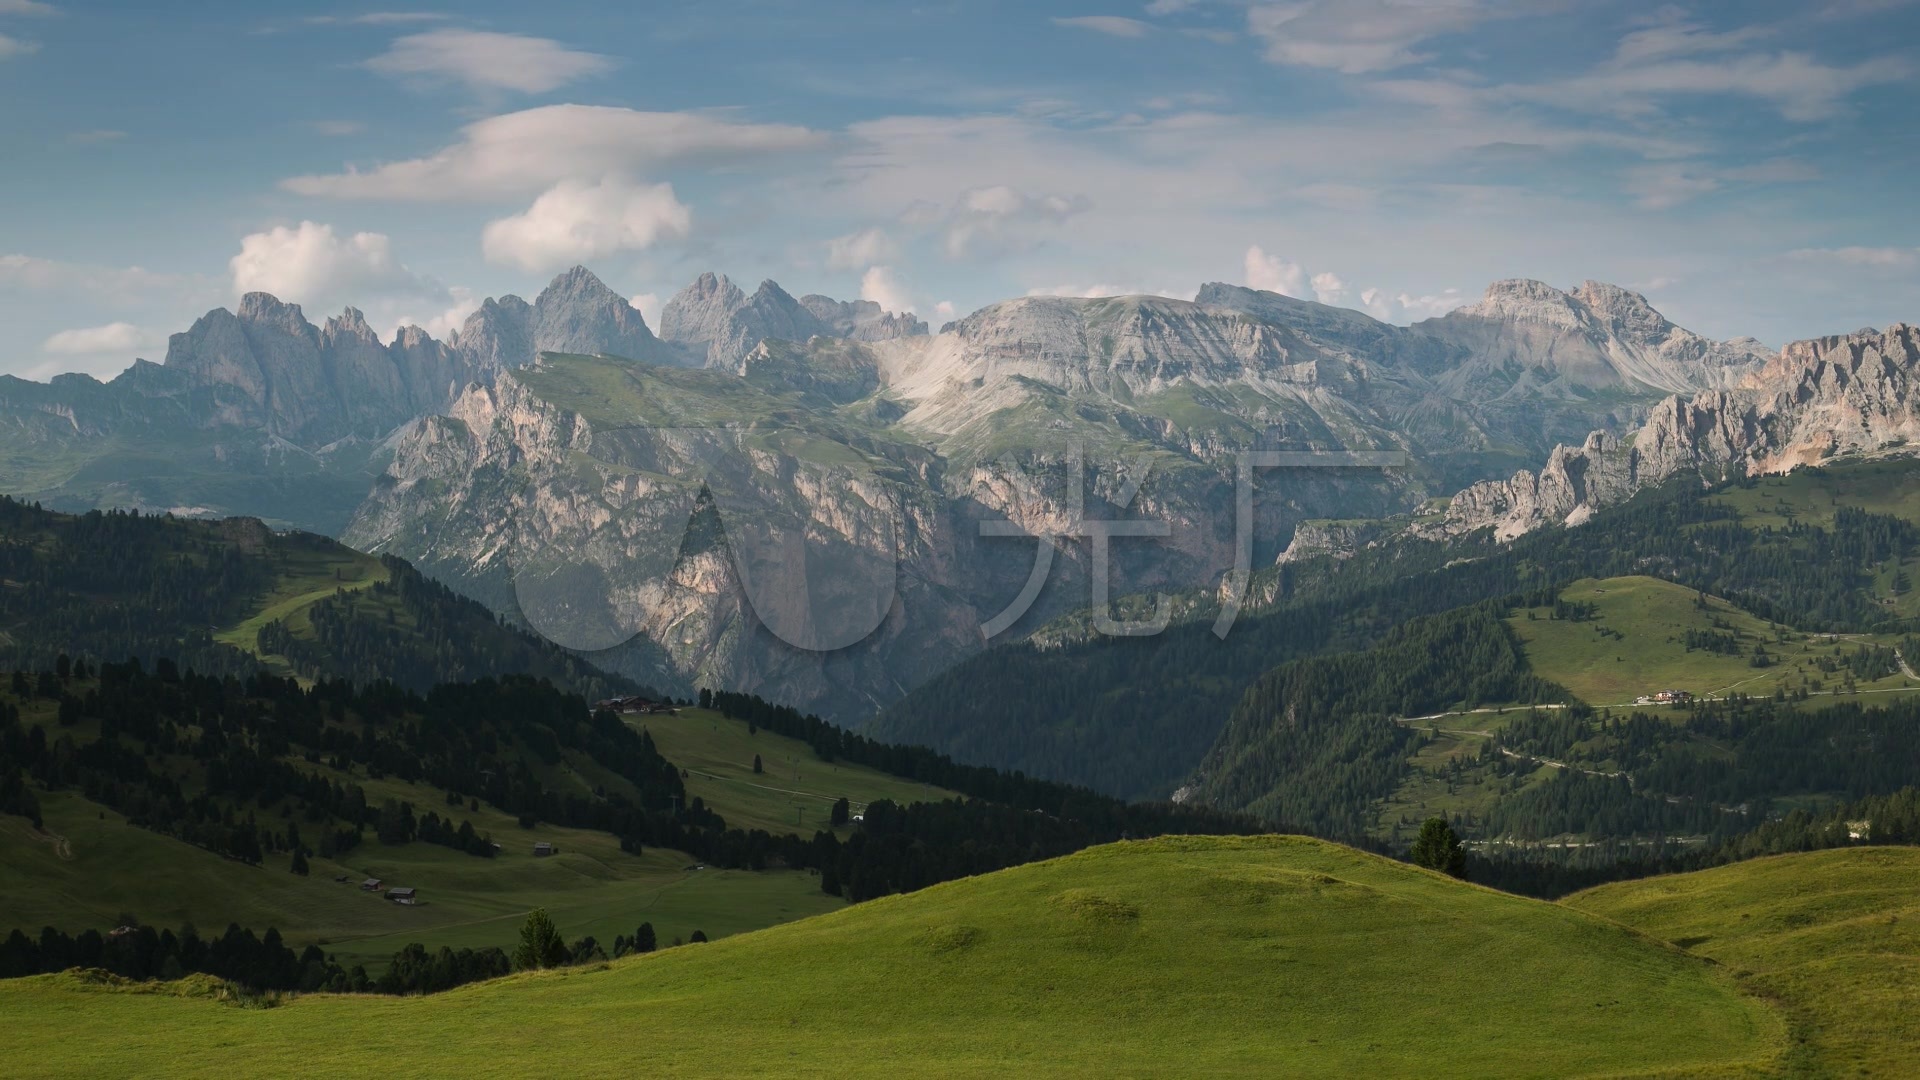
[1751, 167]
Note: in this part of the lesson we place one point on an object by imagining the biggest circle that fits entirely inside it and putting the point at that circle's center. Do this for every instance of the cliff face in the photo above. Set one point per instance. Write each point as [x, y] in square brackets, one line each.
[1850, 394]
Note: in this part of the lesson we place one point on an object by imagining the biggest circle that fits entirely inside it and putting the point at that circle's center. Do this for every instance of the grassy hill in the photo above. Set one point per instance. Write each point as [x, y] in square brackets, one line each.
[1631, 639]
[794, 792]
[1269, 956]
[1831, 937]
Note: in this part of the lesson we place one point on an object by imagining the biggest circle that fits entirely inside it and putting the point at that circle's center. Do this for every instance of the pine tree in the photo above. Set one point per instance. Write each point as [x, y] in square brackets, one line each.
[540, 943]
[756, 764]
[1437, 848]
[842, 812]
[299, 863]
[643, 939]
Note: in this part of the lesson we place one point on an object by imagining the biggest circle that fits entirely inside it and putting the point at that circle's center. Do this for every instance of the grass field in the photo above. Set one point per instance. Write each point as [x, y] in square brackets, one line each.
[1267, 956]
[795, 790]
[89, 867]
[1831, 937]
[1651, 618]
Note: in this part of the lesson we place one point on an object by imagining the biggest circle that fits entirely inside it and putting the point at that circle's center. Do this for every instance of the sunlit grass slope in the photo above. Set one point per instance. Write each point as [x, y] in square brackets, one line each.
[1832, 936]
[1177, 957]
[793, 793]
[1652, 618]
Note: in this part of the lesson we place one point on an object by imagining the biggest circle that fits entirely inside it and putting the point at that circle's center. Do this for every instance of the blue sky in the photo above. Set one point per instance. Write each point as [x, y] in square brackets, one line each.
[1750, 166]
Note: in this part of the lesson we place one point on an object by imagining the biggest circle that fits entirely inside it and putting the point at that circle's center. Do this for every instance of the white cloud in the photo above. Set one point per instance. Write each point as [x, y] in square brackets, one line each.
[114, 337]
[523, 152]
[1360, 36]
[312, 264]
[1271, 273]
[884, 287]
[1328, 288]
[1000, 218]
[26, 7]
[648, 305]
[574, 221]
[484, 60]
[943, 312]
[863, 248]
[337, 128]
[1112, 25]
[12, 47]
[1169, 7]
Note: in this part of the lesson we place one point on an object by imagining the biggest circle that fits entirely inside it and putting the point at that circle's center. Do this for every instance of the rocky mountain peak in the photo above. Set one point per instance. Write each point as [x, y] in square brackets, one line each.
[350, 325]
[266, 310]
[577, 313]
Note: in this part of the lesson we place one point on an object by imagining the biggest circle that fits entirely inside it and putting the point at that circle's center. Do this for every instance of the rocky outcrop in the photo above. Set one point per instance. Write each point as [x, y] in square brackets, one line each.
[1852, 394]
[861, 320]
[1529, 335]
[717, 324]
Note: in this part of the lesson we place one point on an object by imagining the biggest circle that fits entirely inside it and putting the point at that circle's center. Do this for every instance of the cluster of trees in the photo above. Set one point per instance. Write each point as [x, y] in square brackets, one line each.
[254, 962]
[1314, 742]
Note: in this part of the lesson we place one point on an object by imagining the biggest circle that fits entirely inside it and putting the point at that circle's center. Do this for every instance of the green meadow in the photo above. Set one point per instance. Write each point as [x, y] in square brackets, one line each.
[1635, 644]
[793, 793]
[1831, 939]
[1271, 956]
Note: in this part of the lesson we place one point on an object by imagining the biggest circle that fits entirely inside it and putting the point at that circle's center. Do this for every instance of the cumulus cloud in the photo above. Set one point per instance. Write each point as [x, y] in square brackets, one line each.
[1101, 288]
[310, 263]
[575, 221]
[460, 303]
[114, 337]
[1328, 288]
[863, 248]
[524, 152]
[998, 219]
[1111, 25]
[11, 47]
[882, 286]
[1271, 273]
[25, 7]
[483, 60]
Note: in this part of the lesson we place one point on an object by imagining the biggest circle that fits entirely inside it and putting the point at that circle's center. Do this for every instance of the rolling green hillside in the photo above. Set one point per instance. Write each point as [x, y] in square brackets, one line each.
[1832, 938]
[1180, 956]
[794, 792]
[1617, 639]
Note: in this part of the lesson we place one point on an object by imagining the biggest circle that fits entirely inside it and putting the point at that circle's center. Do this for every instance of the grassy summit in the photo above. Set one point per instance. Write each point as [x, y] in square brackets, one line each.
[1832, 937]
[1262, 956]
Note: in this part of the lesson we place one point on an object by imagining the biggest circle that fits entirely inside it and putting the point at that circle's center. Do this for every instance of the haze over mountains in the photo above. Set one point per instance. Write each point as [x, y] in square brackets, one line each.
[855, 434]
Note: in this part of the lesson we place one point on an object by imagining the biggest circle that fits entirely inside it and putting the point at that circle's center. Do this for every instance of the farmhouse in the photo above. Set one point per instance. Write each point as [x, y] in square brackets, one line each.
[401, 896]
[543, 848]
[372, 884]
[1673, 697]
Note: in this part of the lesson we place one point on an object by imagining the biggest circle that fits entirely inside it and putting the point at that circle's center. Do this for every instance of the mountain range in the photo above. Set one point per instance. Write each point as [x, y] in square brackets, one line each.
[668, 502]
